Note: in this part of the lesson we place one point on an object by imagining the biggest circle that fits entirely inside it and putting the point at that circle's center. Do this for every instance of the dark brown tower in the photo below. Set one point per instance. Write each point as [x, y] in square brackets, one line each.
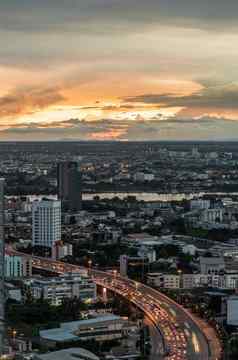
[69, 186]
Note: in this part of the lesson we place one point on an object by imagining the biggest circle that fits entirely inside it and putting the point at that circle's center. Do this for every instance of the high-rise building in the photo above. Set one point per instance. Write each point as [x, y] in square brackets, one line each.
[46, 222]
[69, 185]
[2, 249]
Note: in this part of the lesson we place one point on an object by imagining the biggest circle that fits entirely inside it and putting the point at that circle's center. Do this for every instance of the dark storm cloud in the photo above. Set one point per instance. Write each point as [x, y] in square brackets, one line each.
[140, 129]
[67, 127]
[47, 15]
[223, 97]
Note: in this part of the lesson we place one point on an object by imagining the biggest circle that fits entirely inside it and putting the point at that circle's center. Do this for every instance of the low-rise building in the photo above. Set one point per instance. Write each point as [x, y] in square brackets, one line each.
[165, 281]
[200, 204]
[191, 281]
[58, 288]
[147, 252]
[68, 354]
[135, 264]
[61, 250]
[142, 177]
[13, 292]
[102, 328]
[17, 266]
[232, 310]
[212, 215]
[212, 265]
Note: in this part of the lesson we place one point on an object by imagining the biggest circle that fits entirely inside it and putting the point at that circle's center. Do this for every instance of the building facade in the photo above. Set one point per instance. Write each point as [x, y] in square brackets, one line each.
[164, 281]
[101, 328]
[17, 266]
[232, 310]
[212, 265]
[69, 185]
[68, 286]
[46, 223]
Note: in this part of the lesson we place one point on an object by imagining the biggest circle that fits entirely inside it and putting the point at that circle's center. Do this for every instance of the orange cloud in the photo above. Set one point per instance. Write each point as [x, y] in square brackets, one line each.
[28, 101]
[110, 134]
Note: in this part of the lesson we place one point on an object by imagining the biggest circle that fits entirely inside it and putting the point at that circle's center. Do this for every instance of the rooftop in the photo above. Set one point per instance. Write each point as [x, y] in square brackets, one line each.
[68, 354]
[211, 260]
[66, 330]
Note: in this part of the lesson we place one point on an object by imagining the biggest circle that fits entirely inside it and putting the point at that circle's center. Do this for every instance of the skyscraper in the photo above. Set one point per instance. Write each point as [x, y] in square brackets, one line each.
[69, 185]
[2, 250]
[46, 223]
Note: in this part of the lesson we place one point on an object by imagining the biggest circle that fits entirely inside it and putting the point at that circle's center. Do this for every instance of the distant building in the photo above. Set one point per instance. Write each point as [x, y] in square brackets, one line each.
[123, 265]
[232, 311]
[134, 265]
[212, 265]
[147, 252]
[142, 177]
[189, 249]
[69, 186]
[212, 215]
[141, 238]
[231, 281]
[68, 286]
[13, 292]
[200, 204]
[46, 223]
[165, 281]
[212, 155]
[195, 153]
[61, 250]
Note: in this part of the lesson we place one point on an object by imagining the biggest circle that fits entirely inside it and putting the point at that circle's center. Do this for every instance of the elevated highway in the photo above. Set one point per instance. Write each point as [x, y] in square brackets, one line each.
[183, 336]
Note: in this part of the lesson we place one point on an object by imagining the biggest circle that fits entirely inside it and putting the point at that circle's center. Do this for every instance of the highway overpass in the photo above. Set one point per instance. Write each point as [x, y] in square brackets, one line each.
[182, 335]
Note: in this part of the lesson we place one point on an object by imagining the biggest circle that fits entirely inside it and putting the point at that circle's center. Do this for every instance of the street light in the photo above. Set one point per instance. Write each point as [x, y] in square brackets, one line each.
[180, 273]
[104, 295]
[89, 266]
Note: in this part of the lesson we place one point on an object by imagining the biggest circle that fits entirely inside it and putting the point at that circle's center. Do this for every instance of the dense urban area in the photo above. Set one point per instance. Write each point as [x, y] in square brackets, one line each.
[120, 250]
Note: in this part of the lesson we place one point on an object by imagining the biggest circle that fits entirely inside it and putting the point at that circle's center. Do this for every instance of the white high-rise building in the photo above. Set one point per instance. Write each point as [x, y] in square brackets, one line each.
[46, 222]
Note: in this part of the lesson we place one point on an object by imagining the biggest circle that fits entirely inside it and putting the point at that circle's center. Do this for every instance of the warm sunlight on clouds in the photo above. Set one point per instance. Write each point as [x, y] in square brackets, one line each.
[132, 70]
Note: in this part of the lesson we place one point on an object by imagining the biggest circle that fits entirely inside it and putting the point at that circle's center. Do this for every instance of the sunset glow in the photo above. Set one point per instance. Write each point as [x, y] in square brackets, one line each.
[131, 66]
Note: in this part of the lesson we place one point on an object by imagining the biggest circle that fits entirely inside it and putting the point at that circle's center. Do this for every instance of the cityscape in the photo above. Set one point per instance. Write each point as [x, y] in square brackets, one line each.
[118, 180]
[104, 259]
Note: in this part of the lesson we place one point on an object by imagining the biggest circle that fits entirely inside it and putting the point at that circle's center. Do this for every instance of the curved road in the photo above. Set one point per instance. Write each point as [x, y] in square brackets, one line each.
[185, 337]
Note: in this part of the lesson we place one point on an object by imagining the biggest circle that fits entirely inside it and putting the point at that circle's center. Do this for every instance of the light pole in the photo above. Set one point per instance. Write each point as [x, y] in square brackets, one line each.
[180, 273]
[104, 295]
[89, 266]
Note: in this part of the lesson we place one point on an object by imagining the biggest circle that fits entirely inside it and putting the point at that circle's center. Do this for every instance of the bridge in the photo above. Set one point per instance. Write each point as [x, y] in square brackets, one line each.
[182, 336]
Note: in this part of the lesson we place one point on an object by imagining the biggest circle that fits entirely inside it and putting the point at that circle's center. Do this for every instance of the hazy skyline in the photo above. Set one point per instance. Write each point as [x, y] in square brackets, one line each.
[115, 69]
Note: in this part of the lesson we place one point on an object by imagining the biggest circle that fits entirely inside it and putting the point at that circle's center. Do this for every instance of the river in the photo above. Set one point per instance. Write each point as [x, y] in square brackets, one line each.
[142, 196]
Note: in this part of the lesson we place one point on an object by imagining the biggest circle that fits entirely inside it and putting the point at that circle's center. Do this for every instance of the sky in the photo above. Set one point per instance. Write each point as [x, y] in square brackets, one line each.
[118, 70]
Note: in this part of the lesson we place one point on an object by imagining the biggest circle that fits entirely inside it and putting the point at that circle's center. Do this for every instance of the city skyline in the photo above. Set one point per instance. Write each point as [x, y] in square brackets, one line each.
[118, 70]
